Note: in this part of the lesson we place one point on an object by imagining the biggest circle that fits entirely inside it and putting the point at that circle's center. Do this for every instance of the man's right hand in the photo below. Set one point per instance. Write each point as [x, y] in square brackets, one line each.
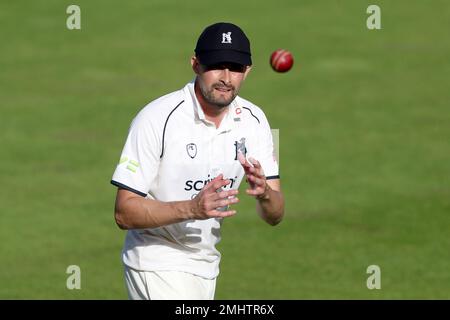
[208, 202]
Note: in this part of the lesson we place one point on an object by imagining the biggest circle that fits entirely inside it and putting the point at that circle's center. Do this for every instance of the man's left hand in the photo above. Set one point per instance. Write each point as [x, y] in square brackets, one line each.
[255, 177]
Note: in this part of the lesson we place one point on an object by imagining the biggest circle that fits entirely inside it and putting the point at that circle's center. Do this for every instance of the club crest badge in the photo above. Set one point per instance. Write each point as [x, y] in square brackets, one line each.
[240, 147]
[191, 149]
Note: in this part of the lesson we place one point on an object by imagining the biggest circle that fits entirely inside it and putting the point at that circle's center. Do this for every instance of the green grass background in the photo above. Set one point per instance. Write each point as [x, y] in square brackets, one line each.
[364, 124]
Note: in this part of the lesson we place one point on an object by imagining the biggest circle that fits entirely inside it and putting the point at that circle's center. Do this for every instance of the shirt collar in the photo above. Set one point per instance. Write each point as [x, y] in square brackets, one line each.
[198, 111]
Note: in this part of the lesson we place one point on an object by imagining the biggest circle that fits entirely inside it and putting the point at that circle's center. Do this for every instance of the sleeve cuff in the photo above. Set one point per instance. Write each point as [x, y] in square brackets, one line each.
[121, 185]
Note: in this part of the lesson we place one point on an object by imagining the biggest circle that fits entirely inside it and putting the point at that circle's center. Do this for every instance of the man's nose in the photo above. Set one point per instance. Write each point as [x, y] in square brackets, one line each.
[226, 76]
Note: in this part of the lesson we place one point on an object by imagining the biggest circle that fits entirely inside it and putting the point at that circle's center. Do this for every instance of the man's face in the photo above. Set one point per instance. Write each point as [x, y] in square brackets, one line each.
[219, 84]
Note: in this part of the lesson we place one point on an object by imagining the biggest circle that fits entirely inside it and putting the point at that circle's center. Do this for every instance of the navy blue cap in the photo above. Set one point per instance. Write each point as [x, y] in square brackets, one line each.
[223, 42]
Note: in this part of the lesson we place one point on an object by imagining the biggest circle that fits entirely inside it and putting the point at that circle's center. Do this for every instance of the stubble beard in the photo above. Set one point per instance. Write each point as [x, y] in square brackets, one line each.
[217, 101]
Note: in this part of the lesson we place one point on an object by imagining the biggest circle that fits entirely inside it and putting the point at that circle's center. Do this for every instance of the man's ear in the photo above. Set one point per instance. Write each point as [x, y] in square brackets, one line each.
[247, 71]
[195, 65]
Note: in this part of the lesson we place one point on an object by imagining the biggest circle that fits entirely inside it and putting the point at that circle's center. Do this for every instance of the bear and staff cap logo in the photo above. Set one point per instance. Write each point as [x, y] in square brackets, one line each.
[191, 149]
[226, 37]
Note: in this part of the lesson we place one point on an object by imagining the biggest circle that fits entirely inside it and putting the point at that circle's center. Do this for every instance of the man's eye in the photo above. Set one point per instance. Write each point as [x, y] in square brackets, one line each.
[237, 68]
[232, 67]
[215, 67]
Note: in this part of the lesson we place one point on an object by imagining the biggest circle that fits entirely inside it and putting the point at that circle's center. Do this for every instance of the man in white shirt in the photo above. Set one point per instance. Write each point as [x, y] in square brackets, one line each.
[180, 169]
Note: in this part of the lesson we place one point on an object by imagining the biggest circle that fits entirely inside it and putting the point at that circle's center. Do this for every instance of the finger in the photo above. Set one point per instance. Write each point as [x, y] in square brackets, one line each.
[250, 182]
[225, 194]
[217, 185]
[243, 161]
[225, 202]
[257, 165]
[254, 192]
[219, 195]
[216, 196]
[241, 158]
[254, 162]
[255, 180]
[210, 184]
[221, 214]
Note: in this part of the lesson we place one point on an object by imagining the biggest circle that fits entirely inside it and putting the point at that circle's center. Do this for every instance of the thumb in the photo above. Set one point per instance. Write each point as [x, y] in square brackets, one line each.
[243, 161]
[211, 183]
[241, 158]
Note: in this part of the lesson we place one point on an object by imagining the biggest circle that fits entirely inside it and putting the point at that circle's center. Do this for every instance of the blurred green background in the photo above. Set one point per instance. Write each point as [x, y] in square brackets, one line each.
[364, 124]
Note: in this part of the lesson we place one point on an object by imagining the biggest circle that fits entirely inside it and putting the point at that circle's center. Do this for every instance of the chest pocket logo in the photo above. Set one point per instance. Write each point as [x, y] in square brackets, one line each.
[191, 149]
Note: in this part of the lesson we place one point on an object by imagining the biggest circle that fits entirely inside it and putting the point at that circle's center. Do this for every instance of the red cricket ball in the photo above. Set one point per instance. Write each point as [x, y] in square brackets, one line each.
[281, 60]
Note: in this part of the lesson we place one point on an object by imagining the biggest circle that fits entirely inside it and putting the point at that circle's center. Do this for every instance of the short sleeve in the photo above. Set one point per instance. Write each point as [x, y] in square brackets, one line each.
[265, 153]
[138, 165]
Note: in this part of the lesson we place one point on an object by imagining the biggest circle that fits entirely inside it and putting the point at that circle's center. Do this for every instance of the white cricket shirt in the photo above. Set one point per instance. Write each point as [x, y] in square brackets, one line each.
[170, 154]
